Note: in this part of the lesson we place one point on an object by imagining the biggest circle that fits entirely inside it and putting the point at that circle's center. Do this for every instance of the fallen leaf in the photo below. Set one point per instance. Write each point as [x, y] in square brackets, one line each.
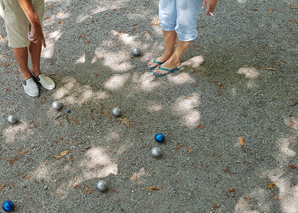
[292, 123]
[289, 5]
[270, 185]
[135, 24]
[292, 166]
[241, 141]
[270, 11]
[269, 68]
[148, 33]
[177, 148]
[296, 21]
[187, 98]
[200, 126]
[12, 161]
[88, 42]
[74, 120]
[199, 166]
[279, 199]
[254, 9]
[59, 123]
[152, 188]
[215, 206]
[132, 178]
[155, 22]
[1, 37]
[60, 22]
[27, 177]
[75, 186]
[291, 21]
[60, 195]
[190, 150]
[57, 156]
[22, 152]
[1, 187]
[88, 148]
[64, 153]
[220, 85]
[127, 124]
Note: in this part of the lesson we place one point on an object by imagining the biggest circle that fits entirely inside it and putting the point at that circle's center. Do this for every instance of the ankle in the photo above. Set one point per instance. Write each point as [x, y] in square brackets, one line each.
[36, 72]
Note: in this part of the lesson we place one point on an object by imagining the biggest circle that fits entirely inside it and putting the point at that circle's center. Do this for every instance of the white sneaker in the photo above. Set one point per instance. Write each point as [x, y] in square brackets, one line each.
[45, 81]
[30, 87]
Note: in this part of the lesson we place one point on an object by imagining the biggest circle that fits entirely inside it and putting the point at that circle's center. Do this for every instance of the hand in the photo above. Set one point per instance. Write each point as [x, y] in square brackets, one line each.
[211, 4]
[36, 35]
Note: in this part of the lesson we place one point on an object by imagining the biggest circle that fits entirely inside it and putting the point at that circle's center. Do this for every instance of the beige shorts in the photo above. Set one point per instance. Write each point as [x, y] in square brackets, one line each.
[17, 23]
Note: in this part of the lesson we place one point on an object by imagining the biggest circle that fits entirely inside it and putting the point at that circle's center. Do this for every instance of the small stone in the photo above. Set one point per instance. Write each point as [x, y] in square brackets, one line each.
[45, 187]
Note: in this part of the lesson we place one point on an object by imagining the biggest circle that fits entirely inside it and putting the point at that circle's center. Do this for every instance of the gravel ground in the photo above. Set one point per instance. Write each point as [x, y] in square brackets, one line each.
[238, 81]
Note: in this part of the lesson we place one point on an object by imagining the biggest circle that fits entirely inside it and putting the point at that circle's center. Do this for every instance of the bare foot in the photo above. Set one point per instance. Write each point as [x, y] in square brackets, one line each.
[167, 65]
[162, 59]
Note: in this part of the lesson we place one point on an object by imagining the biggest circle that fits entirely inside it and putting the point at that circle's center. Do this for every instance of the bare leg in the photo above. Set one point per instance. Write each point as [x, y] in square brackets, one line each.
[35, 52]
[170, 39]
[174, 61]
[21, 55]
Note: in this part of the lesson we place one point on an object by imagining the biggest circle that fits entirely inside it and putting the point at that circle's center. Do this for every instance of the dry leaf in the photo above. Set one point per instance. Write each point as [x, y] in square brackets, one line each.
[12, 161]
[57, 156]
[269, 68]
[127, 124]
[291, 21]
[64, 153]
[270, 11]
[289, 5]
[241, 141]
[60, 195]
[1, 187]
[59, 123]
[148, 33]
[74, 179]
[200, 126]
[27, 177]
[292, 123]
[154, 23]
[296, 21]
[22, 152]
[74, 120]
[270, 185]
[199, 166]
[88, 148]
[75, 186]
[152, 188]
[215, 206]
[190, 150]
[135, 24]
[88, 42]
[279, 199]
[292, 166]
[132, 178]
[177, 148]
[220, 85]
[60, 22]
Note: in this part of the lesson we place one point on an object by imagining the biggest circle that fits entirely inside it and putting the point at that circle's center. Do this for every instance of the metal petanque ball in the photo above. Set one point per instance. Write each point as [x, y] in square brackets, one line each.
[116, 112]
[136, 52]
[8, 206]
[156, 152]
[102, 186]
[12, 119]
[159, 137]
[56, 105]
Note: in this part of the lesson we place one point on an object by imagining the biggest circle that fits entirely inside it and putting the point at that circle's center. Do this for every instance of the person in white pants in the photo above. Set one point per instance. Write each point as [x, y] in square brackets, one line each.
[178, 18]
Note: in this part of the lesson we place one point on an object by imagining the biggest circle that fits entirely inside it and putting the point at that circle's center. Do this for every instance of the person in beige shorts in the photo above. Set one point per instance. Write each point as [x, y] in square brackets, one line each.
[23, 21]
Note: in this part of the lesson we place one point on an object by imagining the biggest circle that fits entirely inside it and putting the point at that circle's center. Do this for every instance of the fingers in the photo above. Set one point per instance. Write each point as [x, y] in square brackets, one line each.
[210, 9]
[204, 4]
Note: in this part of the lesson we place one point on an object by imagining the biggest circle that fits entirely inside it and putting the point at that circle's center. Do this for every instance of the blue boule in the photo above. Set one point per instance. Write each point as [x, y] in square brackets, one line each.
[68, 111]
[8, 206]
[159, 137]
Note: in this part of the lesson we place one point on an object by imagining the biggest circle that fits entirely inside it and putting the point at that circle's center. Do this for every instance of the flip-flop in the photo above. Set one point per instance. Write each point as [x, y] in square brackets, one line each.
[156, 62]
[168, 71]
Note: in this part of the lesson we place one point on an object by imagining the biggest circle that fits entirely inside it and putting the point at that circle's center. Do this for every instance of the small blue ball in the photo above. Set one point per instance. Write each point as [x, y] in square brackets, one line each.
[8, 206]
[159, 137]
[68, 111]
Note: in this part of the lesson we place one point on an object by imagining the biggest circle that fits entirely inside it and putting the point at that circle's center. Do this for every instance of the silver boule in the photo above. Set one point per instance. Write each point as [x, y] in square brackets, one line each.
[102, 186]
[116, 112]
[12, 119]
[56, 105]
[136, 52]
[156, 152]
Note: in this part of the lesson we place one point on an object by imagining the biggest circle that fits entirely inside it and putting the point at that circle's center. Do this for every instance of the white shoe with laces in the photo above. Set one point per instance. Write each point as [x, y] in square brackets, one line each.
[30, 87]
[45, 81]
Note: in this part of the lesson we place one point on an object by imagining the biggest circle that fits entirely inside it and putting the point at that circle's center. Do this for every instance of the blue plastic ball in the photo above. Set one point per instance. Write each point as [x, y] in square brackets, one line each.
[159, 137]
[8, 206]
[68, 111]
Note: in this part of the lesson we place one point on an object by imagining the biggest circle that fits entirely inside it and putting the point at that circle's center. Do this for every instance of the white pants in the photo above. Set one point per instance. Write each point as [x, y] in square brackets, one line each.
[180, 16]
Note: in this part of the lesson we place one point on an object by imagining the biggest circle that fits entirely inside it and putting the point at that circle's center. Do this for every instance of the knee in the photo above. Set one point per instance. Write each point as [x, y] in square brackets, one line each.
[186, 33]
